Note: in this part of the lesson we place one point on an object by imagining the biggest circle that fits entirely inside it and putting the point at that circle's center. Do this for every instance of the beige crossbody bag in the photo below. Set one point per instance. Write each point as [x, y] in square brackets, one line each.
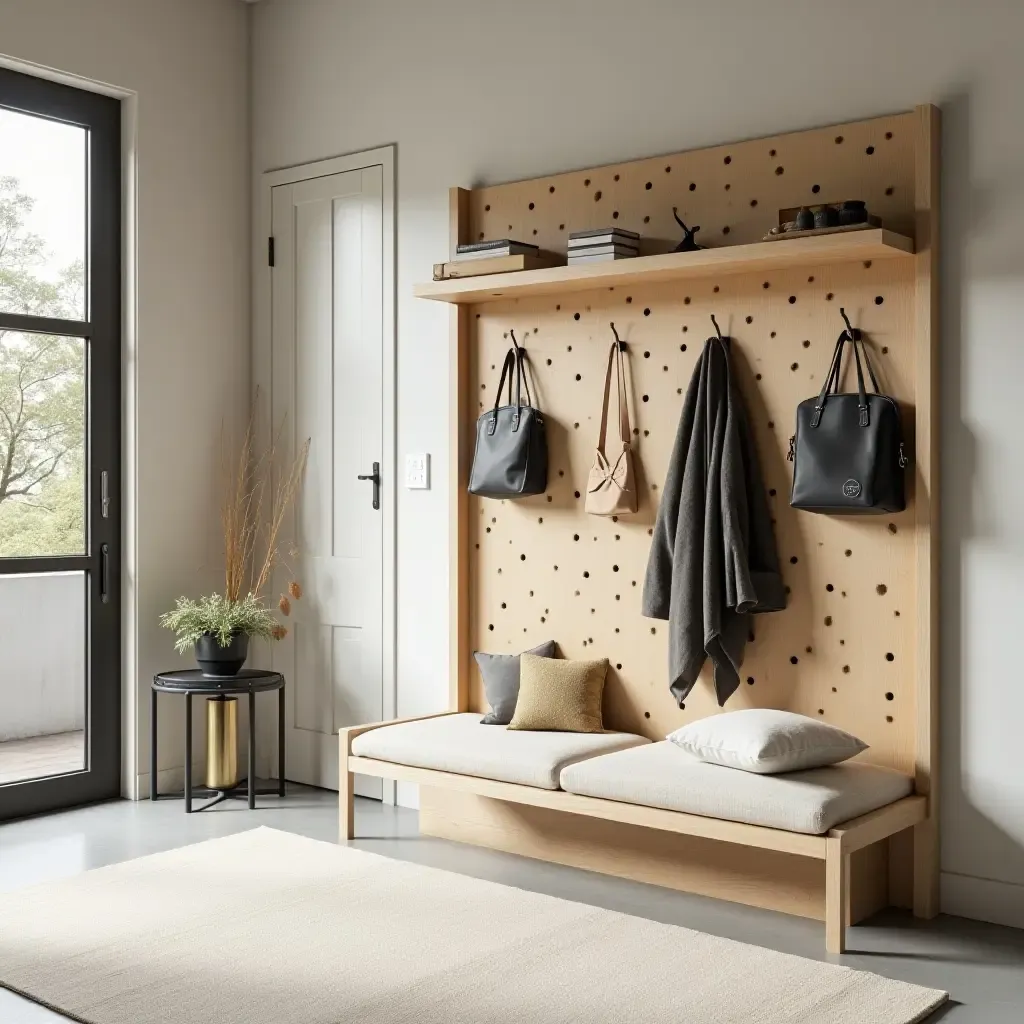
[611, 488]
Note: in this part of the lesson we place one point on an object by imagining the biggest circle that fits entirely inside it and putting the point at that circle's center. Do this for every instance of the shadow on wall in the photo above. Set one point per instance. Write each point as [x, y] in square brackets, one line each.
[973, 520]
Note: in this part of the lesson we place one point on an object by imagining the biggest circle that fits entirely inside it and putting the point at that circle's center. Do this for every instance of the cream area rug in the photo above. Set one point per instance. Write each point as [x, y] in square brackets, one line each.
[266, 927]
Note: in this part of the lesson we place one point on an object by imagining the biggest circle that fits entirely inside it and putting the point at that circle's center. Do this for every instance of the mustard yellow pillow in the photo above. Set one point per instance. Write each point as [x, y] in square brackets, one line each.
[559, 696]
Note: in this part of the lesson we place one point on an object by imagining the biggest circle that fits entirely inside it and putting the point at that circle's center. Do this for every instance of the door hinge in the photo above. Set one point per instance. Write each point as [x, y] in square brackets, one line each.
[270, 251]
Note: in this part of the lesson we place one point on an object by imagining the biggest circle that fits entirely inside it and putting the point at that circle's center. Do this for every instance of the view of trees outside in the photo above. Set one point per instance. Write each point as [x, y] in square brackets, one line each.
[42, 388]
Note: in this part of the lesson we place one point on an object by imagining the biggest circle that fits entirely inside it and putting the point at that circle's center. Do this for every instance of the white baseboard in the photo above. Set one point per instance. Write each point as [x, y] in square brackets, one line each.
[983, 899]
[170, 780]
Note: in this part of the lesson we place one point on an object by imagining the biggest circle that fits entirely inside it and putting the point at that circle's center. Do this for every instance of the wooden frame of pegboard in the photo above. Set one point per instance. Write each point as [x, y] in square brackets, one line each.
[858, 644]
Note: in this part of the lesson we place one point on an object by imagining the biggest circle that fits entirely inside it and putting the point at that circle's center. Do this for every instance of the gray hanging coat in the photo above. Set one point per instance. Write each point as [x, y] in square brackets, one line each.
[713, 560]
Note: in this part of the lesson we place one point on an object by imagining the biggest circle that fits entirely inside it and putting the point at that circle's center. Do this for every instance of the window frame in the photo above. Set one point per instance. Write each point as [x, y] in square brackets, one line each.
[102, 330]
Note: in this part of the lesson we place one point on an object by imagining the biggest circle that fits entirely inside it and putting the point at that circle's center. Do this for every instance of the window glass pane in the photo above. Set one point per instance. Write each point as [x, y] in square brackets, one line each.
[42, 675]
[42, 216]
[42, 449]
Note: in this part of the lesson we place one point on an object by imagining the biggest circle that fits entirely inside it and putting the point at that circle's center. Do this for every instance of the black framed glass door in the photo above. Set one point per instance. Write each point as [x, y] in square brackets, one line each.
[60, 445]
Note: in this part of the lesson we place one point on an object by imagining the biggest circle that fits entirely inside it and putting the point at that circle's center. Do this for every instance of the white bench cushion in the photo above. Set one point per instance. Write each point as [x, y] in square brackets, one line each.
[812, 801]
[460, 744]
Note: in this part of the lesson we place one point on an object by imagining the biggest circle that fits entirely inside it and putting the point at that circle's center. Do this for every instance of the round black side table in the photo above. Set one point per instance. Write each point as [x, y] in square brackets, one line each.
[192, 682]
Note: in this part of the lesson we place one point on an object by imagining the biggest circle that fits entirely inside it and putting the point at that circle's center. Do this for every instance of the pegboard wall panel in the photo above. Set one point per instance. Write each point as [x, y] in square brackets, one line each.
[541, 568]
[733, 192]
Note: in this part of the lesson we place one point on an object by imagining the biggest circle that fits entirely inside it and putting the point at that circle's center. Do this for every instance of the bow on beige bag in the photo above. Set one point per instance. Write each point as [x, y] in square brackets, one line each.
[611, 488]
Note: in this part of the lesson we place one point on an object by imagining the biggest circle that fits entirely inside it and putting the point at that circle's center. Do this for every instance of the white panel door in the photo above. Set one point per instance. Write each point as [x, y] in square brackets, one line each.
[327, 385]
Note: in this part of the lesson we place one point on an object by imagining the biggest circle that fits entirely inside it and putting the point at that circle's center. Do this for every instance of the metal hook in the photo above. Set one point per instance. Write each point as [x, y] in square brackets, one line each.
[718, 330]
[622, 344]
[852, 331]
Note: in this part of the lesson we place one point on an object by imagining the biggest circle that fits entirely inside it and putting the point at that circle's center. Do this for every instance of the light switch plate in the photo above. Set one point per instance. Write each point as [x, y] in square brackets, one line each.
[417, 471]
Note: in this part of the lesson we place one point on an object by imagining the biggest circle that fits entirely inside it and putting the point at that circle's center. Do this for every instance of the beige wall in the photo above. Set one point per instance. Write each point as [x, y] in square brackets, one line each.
[186, 62]
[475, 93]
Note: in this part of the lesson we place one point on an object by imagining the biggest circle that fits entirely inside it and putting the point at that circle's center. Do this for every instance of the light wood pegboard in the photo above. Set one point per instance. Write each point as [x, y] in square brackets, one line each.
[846, 654]
[590, 603]
[855, 646]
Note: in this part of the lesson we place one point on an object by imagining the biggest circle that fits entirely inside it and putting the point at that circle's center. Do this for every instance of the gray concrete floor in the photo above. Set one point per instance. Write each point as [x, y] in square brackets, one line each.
[981, 965]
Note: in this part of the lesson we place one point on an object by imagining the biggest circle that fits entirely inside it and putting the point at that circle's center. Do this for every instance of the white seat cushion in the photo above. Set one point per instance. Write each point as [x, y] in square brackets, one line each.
[812, 801]
[460, 744]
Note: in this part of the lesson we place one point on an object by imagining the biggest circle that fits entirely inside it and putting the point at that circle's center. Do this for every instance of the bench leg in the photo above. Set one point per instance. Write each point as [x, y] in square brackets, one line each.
[346, 793]
[926, 869]
[837, 889]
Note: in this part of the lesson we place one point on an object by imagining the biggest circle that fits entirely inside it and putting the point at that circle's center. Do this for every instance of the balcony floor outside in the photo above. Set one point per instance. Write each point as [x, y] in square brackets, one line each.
[40, 756]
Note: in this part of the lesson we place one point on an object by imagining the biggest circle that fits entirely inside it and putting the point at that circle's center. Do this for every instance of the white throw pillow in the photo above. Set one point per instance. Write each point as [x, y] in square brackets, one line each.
[766, 741]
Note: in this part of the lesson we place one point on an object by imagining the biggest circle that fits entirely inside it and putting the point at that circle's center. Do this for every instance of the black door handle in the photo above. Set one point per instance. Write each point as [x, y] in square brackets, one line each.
[375, 477]
[104, 573]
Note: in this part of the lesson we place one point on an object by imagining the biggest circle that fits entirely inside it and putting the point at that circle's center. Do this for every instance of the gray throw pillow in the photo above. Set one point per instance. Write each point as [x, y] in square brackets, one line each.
[501, 681]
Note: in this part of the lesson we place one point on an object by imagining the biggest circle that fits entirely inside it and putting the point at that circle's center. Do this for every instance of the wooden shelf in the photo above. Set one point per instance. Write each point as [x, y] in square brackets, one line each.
[870, 244]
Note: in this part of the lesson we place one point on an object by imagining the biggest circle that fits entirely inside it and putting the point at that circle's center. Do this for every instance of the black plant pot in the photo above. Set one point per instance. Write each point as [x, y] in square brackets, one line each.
[215, 660]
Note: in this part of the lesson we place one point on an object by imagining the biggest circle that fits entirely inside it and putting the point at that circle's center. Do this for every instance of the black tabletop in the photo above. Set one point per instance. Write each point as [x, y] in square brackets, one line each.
[249, 680]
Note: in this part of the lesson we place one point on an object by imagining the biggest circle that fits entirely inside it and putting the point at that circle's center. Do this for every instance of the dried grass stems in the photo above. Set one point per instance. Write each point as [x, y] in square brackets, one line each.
[252, 531]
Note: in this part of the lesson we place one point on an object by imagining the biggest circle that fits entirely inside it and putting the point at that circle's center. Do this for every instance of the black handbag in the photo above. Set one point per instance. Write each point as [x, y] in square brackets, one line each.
[511, 455]
[847, 454]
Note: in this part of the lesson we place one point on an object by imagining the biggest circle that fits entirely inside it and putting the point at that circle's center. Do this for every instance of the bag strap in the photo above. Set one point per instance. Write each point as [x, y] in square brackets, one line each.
[522, 380]
[507, 369]
[831, 386]
[513, 367]
[614, 357]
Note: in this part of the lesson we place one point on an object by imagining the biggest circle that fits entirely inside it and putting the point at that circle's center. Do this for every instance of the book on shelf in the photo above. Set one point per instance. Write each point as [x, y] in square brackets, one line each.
[494, 265]
[589, 250]
[580, 237]
[602, 250]
[499, 247]
[602, 254]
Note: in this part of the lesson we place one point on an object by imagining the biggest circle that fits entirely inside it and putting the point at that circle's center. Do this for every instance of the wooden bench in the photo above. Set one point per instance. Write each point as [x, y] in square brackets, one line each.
[836, 848]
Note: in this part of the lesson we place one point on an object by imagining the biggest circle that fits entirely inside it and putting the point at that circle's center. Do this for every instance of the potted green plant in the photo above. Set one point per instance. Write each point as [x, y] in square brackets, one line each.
[218, 627]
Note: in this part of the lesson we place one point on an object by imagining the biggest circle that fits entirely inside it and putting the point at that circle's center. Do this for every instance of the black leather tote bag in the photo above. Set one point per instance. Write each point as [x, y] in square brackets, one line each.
[511, 455]
[847, 453]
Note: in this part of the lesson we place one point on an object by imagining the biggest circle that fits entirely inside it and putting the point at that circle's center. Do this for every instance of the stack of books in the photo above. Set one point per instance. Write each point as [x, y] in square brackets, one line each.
[488, 250]
[602, 244]
[497, 257]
